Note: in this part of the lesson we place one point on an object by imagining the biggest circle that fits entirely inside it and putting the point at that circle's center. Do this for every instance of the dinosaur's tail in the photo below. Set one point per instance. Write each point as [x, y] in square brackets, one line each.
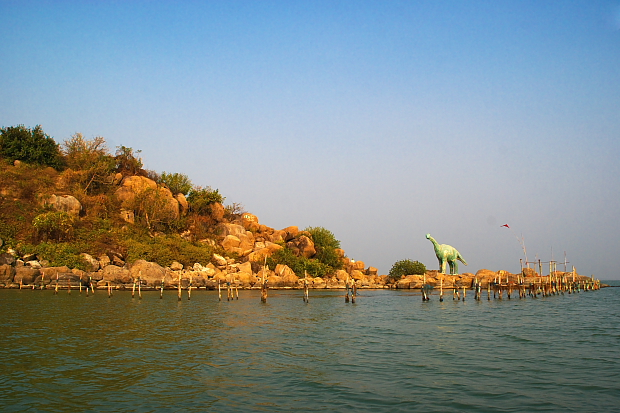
[461, 259]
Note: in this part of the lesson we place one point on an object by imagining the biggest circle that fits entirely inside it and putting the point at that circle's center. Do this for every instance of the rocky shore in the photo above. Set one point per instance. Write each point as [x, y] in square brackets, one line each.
[28, 271]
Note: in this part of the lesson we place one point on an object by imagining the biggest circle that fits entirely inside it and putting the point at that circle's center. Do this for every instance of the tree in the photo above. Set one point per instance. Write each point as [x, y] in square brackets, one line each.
[30, 145]
[176, 182]
[90, 159]
[126, 160]
[326, 245]
[406, 267]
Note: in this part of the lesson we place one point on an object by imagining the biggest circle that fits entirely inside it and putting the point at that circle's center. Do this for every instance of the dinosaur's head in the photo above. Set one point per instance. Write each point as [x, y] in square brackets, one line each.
[428, 236]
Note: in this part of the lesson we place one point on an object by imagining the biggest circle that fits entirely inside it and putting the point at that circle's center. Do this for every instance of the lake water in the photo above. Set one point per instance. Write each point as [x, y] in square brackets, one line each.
[389, 352]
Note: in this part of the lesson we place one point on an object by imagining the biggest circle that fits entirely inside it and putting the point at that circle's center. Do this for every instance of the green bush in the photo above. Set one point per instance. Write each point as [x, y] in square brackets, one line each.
[299, 265]
[58, 254]
[30, 145]
[54, 225]
[326, 245]
[406, 267]
[200, 199]
[176, 182]
[166, 249]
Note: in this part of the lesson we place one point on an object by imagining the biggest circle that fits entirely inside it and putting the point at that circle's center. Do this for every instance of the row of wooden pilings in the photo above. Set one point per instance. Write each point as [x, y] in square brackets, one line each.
[232, 290]
[523, 288]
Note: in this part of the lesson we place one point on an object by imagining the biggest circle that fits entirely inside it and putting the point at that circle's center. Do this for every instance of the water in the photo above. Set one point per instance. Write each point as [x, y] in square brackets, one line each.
[388, 352]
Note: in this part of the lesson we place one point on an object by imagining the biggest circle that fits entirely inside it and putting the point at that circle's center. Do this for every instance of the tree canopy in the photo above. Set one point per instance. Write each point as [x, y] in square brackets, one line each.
[30, 145]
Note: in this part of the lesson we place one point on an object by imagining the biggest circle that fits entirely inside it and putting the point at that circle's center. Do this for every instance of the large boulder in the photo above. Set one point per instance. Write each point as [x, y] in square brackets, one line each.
[7, 273]
[183, 204]
[150, 272]
[134, 186]
[115, 274]
[25, 274]
[7, 259]
[64, 203]
[302, 247]
[92, 263]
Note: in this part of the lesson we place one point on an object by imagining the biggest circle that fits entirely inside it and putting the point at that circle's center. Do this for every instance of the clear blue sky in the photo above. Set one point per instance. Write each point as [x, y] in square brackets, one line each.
[379, 120]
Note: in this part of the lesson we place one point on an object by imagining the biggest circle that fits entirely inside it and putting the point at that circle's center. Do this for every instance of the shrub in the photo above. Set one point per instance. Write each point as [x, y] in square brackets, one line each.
[176, 182]
[406, 267]
[166, 249]
[299, 265]
[126, 161]
[55, 225]
[29, 145]
[200, 199]
[325, 244]
[58, 254]
[90, 160]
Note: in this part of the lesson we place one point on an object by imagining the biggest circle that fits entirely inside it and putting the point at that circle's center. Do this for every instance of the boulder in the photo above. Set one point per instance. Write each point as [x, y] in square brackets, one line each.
[7, 273]
[25, 274]
[64, 203]
[115, 274]
[372, 271]
[283, 270]
[357, 275]
[51, 272]
[219, 260]
[485, 274]
[230, 243]
[92, 263]
[529, 272]
[133, 186]
[150, 272]
[177, 266]
[342, 275]
[217, 211]
[290, 233]
[302, 247]
[7, 259]
[183, 204]
[230, 229]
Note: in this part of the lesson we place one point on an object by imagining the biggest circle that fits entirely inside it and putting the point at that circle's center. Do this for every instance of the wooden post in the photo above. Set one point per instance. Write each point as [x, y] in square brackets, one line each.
[263, 293]
[489, 290]
[140, 285]
[354, 293]
[56, 290]
[92, 287]
[109, 290]
[69, 286]
[80, 285]
[189, 288]
[133, 289]
[464, 293]
[346, 297]
[179, 287]
[161, 289]
[42, 281]
[441, 290]
[219, 290]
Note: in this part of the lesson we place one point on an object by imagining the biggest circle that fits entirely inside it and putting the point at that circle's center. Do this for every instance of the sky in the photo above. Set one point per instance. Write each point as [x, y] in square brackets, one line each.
[381, 121]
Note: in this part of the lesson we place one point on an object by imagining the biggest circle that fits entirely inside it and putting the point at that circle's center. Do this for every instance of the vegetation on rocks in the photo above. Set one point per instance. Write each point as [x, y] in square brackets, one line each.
[406, 267]
[71, 203]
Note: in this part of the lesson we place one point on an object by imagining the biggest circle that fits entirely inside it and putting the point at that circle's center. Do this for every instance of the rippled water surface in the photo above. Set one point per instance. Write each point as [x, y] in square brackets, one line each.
[388, 352]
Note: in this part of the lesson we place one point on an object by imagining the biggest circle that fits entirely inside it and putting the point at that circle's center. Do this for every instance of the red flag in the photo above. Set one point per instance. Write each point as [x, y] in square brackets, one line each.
[505, 225]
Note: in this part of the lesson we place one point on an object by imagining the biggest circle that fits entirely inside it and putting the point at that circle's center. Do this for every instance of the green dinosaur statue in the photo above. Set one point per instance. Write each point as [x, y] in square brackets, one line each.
[446, 253]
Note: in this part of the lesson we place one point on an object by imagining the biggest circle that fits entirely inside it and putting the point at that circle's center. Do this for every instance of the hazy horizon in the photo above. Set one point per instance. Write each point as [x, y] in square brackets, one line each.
[380, 121]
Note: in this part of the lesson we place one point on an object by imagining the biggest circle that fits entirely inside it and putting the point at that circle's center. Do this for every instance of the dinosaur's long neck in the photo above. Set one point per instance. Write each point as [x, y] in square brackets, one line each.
[434, 244]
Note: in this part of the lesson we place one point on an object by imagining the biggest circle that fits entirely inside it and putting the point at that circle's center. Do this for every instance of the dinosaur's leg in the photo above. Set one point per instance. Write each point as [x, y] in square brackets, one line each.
[440, 265]
[455, 266]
